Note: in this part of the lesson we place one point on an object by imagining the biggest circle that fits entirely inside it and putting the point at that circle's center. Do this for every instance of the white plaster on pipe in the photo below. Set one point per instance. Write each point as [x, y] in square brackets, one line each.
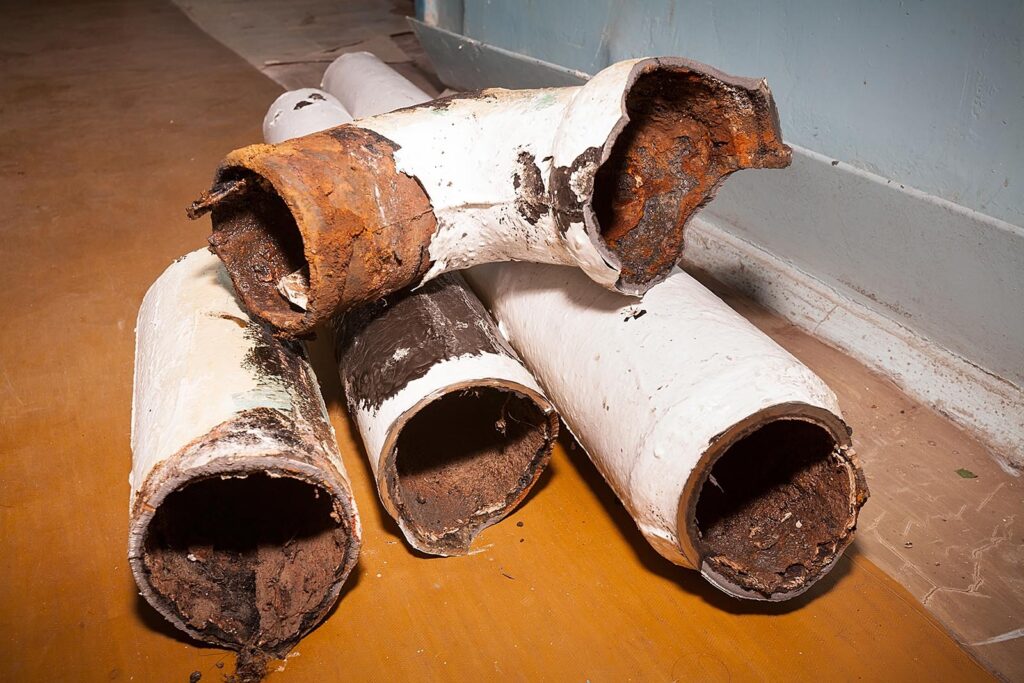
[301, 112]
[342, 76]
[196, 391]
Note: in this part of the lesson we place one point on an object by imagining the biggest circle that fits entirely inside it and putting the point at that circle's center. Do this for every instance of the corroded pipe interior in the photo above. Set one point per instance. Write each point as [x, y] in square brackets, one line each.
[246, 561]
[686, 133]
[776, 507]
[260, 244]
[465, 459]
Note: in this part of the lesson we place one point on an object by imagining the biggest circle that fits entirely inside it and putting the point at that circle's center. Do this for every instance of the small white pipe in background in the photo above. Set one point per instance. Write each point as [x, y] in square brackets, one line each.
[731, 456]
[242, 524]
[301, 112]
[389, 94]
[456, 429]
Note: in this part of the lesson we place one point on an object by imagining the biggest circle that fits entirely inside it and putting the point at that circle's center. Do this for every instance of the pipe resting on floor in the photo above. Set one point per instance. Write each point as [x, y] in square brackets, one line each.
[242, 524]
[456, 429]
[603, 176]
[730, 455]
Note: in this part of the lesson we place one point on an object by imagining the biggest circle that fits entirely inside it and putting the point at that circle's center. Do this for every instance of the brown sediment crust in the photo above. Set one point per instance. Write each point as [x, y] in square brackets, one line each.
[248, 532]
[778, 507]
[330, 206]
[247, 562]
[383, 346]
[459, 461]
[463, 462]
[689, 128]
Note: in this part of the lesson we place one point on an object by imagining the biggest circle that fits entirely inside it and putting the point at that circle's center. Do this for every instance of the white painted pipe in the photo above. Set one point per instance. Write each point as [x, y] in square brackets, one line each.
[676, 397]
[390, 93]
[603, 176]
[456, 429]
[242, 523]
[301, 112]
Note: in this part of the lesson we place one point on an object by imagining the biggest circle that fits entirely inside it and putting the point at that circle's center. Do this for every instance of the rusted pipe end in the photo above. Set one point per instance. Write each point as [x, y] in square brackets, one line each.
[773, 503]
[462, 460]
[317, 225]
[246, 552]
[686, 127]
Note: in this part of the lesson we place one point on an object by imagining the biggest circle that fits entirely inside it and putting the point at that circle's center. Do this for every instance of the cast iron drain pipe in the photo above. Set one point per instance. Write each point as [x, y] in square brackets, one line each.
[242, 523]
[730, 455]
[456, 429]
[603, 176]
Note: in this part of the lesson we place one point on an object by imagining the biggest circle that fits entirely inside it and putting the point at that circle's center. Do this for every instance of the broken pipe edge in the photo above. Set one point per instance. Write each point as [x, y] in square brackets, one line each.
[457, 540]
[753, 140]
[690, 543]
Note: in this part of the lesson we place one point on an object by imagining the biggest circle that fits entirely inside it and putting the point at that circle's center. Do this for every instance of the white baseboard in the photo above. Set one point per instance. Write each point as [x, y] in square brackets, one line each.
[989, 406]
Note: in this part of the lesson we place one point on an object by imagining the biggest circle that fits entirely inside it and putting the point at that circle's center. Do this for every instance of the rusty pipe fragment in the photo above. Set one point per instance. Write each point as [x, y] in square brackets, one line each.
[603, 176]
[456, 429]
[242, 524]
[730, 455]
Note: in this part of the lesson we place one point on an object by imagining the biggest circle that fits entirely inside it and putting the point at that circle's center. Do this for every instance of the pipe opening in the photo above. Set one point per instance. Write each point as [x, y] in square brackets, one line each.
[776, 508]
[248, 561]
[679, 144]
[256, 236]
[464, 460]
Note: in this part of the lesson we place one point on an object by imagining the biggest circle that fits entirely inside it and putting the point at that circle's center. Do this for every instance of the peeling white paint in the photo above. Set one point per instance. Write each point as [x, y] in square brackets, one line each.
[388, 93]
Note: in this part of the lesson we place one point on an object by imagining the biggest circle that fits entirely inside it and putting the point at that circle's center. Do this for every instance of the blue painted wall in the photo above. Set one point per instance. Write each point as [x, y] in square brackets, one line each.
[928, 93]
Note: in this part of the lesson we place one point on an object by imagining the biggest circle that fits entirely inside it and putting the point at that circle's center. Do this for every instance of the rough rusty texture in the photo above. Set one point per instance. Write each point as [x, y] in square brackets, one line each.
[464, 461]
[253, 564]
[282, 364]
[688, 129]
[568, 206]
[779, 507]
[247, 562]
[383, 346]
[330, 206]
[531, 197]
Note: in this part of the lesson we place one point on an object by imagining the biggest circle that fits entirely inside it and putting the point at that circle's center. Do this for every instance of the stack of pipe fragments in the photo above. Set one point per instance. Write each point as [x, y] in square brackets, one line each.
[731, 456]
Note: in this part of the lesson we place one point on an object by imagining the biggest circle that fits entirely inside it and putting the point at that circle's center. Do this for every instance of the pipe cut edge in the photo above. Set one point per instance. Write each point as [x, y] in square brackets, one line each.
[242, 523]
[460, 453]
[456, 429]
[603, 176]
[730, 455]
